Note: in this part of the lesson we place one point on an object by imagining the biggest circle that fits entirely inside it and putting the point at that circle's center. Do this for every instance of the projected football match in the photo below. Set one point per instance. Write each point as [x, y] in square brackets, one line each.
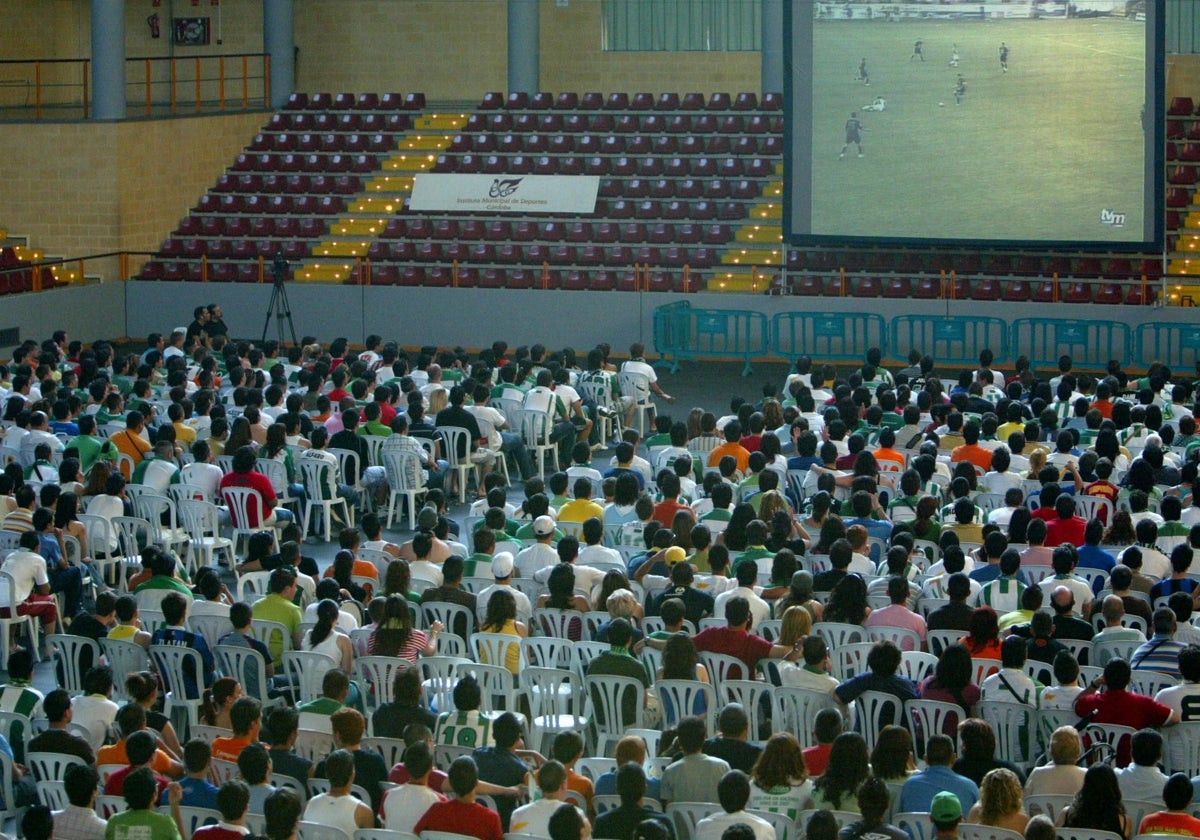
[1017, 122]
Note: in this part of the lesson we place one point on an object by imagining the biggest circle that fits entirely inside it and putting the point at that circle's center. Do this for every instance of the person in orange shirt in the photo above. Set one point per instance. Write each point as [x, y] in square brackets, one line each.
[887, 450]
[731, 446]
[567, 749]
[246, 718]
[130, 442]
[1103, 401]
[131, 719]
[971, 450]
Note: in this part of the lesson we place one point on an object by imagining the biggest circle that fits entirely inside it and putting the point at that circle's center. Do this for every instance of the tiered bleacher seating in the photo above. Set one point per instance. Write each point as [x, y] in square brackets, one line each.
[690, 197]
[19, 274]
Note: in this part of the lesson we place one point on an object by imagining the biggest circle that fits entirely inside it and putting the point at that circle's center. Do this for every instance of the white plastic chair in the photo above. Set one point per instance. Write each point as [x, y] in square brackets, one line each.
[795, 709]
[457, 447]
[535, 428]
[939, 640]
[306, 670]
[454, 617]
[167, 535]
[316, 486]
[606, 694]
[685, 816]
[557, 623]
[751, 694]
[1015, 725]
[875, 710]
[248, 667]
[975, 831]
[317, 831]
[50, 767]
[916, 823]
[851, 660]
[53, 795]
[378, 674]
[23, 623]
[637, 386]
[132, 532]
[678, 699]
[241, 501]
[124, 657]
[917, 665]
[253, 585]
[931, 717]
[838, 635]
[556, 701]
[69, 649]
[173, 663]
[199, 520]
[722, 667]
[400, 466]
[1048, 804]
[906, 640]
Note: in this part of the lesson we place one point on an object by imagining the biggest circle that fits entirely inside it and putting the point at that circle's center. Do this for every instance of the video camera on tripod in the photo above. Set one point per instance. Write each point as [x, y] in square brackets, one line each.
[278, 306]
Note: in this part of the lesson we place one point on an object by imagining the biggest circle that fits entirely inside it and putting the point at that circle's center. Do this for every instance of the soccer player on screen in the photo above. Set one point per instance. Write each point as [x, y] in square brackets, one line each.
[1003, 57]
[880, 104]
[953, 56]
[918, 51]
[960, 90]
[863, 76]
[854, 130]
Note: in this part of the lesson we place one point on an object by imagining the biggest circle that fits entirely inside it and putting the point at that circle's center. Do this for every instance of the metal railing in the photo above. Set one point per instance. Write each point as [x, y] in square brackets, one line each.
[112, 265]
[44, 86]
[239, 81]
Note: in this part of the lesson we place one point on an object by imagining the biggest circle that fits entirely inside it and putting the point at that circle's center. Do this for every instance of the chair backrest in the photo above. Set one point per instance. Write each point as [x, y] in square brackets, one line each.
[253, 583]
[838, 635]
[877, 709]
[678, 699]
[636, 385]
[497, 685]
[1015, 725]
[50, 767]
[554, 694]
[795, 709]
[70, 651]
[181, 668]
[939, 640]
[722, 667]
[1181, 752]
[931, 717]
[1047, 804]
[686, 815]
[317, 831]
[546, 652]
[247, 666]
[438, 675]
[456, 618]
[198, 518]
[312, 744]
[1110, 733]
[850, 660]
[306, 670]
[268, 632]
[916, 823]
[901, 637]
[559, 623]
[917, 665]
[403, 470]
[378, 674]
[492, 648]
[124, 658]
[1087, 834]
[1107, 649]
[975, 831]
[239, 501]
[609, 696]
[348, 466]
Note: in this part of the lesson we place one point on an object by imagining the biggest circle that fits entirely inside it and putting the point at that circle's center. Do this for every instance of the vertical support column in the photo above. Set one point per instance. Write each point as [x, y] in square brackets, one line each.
[523, 46]
[108, 59]
[279, 42]
[772, 45]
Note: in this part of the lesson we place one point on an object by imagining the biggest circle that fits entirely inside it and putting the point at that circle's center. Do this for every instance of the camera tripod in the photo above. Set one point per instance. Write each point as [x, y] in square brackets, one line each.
[279, 308]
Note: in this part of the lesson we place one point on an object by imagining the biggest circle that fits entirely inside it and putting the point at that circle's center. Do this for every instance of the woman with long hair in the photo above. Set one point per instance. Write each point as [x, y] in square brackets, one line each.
[613, 580]
[734, 535]
[682, 524]
[977, 757]
[848, 601]
[395, 636]
[214, 708]
[779, 782]
[820, 505]
[97, 479]
[501, 617]
[439, 397]
[342, 571]
[848, 767]
[622, 510]
[561, 596]
[892, 759]
[276, 449]
[1001, 802]
[680, 660]
[1018, 526]
[800, 594]
[1098, 805]
[796, 626]
[398, 581]
[1120, 532]
[950, 682]
[240, 435]
[1037, 460]
[832, 530]
[142, 687]
[70, 477]
[327, 639]
[924, 523]
[66, 517]
[983, 634]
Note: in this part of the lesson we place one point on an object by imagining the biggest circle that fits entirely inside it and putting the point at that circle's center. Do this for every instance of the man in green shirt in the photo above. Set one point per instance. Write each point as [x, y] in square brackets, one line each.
[91, 448]
[278, 606]
[140, 821]
[335, 688]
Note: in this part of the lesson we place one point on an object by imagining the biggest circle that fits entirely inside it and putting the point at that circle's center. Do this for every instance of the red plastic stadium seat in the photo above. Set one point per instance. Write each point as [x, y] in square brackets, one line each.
[704, 167]
[541, 101]
[898, 287]
[679, 124]
[414, 102]
[606, 232]
[493, 278]
[521, 278]
[1182, 175]
[867, 287]
[1181, 106]
[1109, 293]
[617, 102]
[705, 124]
[639, 144]
[927, 288]
[1137, 298]
[1078, 292]
[439, 276]
[576, 280]
[988, 288]
[732, 124]
[642, 102]
[719, 102]
[667, 102]
[602, 281]
[517, 100]
[746, 102]
[566, 102]
[384, 275]
[717, 235]
[771, 102]
[1176, 130]
[808, 286]
[296, 102]
[717, 144]
[1043, 292]
[468, 277]
[391, 102]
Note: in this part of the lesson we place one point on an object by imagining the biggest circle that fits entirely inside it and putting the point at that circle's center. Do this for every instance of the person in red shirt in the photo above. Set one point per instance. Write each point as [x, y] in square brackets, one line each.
[1067, 528]
[233, 801]
[1103, 401]
[826, 727]
[1102, 487]
[1177, 795]
[664, 511]
[1118, 706]
[462, 815]
[244, 475]
[737, 641]
[141, 749]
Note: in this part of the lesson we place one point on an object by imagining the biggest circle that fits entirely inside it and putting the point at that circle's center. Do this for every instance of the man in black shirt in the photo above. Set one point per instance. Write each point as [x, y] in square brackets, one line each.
[696, 604]
[56, 739]
[451, 592]
[733, 727]
[391, 719]
[957, 614]
[840, 555]
[93, 625]
[281, 730]
[621, 823]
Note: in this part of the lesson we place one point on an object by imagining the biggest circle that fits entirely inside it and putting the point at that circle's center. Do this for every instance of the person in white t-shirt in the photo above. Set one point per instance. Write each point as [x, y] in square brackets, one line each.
[1066, 688]
[406, 804]
[534, 818]
[638, 365]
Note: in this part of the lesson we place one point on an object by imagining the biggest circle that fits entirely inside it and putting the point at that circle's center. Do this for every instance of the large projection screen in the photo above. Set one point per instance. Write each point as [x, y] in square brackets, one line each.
[905, 126]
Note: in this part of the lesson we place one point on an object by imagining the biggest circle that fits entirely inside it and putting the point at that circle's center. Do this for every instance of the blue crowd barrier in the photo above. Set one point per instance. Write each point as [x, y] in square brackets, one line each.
[682, 332]
[951, 340]
[1175, 345]
[1090, 344]
[828, 336]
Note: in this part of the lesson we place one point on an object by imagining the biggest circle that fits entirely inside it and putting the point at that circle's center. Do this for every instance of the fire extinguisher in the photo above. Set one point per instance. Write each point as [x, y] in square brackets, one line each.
[152, 22]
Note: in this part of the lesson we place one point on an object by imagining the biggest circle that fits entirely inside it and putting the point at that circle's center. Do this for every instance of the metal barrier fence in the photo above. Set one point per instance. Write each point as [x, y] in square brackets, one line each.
[1088, 343]
[1176, 345]
[830, 336]
[950, 340]
[682, 333]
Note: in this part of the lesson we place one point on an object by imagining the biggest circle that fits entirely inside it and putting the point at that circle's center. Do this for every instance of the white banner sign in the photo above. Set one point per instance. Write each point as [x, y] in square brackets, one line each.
[505, 193]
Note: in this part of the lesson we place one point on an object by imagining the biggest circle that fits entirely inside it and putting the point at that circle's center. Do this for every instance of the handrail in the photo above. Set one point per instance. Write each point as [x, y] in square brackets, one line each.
[206, 88]
[41, 87]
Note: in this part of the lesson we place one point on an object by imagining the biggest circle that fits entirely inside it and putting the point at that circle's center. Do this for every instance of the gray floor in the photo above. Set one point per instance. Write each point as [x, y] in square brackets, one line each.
[707, 385]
